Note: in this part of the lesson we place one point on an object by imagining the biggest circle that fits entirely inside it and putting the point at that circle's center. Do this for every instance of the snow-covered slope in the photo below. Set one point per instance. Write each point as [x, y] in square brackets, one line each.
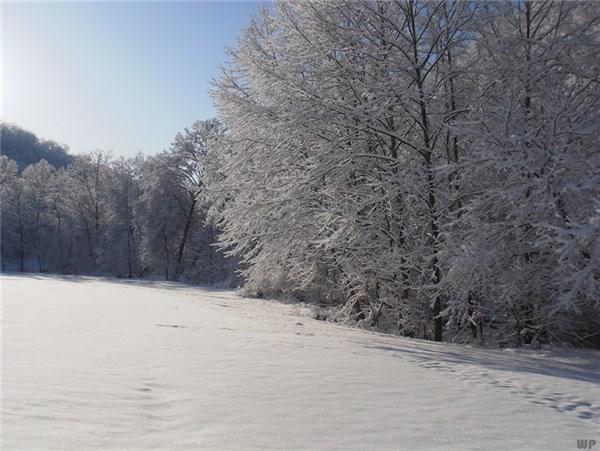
[89, 363]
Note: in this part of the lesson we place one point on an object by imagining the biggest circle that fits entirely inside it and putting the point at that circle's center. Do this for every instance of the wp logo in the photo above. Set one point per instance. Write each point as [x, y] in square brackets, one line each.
[585, 444]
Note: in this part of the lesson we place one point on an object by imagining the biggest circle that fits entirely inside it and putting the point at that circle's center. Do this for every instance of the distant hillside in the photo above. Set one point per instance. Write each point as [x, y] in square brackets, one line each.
[26, 148]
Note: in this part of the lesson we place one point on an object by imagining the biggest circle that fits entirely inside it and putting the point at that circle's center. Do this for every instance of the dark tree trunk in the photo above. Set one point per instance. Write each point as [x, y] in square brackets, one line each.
[186, 230]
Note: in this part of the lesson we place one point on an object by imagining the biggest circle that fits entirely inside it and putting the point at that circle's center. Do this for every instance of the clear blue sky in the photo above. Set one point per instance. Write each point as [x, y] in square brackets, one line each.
[119, 76]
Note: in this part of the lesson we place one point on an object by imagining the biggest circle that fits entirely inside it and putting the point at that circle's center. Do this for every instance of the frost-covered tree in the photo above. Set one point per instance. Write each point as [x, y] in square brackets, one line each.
[531, 189]
[12, 215]
[37, 185]
[124, 228]
[62, 239]
[426, 165]
[337, 112]
[174, 207]
[87, 197]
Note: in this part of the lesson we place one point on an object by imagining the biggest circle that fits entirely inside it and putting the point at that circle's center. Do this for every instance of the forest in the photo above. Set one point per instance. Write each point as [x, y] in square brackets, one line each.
[137, 217]
[26, 148]
[430, 169]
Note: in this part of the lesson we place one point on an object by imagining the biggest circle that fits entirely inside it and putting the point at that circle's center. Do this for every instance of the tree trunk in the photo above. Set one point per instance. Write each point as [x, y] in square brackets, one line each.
[427, 154]
[182, 244]
[166, 249]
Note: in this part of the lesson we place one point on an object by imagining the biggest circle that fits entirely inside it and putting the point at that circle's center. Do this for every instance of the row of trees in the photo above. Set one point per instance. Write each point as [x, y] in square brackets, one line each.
[123, 217]
[431, 168]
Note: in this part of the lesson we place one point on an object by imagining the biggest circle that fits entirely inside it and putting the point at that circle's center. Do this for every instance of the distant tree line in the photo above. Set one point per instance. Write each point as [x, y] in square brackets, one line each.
[123, 217]
[25, 148]
[427, 168]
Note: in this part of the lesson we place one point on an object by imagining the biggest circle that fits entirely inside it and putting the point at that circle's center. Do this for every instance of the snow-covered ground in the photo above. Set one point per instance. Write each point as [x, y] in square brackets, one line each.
[90, 363]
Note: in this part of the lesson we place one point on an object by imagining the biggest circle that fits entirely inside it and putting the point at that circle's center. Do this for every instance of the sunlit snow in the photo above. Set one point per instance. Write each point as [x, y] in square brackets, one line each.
[92, 363]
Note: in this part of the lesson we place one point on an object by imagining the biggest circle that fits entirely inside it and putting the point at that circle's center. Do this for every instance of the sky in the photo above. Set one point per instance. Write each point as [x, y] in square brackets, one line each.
[124, 77]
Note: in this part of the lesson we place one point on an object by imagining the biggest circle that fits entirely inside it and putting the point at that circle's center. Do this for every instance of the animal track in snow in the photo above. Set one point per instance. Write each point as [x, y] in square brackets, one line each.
[562, 402]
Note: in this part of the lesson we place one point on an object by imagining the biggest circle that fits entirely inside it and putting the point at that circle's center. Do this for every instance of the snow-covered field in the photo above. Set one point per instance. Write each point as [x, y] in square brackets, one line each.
[90, 363]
